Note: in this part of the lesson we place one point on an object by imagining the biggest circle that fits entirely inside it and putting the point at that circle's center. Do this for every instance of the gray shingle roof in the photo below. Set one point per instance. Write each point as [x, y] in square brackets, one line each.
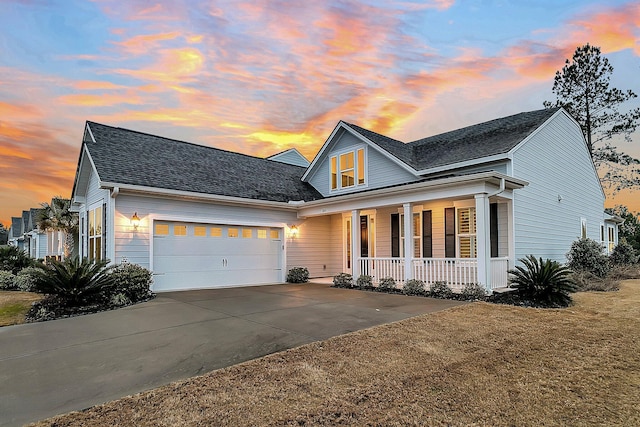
[16, 226]
[472, 142]
[128, 157]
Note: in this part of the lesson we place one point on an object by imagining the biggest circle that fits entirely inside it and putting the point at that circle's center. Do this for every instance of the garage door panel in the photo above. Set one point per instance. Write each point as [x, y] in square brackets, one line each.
[206, 257]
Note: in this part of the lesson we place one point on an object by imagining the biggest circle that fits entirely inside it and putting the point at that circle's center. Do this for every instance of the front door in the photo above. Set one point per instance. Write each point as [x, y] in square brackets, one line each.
[367, 240]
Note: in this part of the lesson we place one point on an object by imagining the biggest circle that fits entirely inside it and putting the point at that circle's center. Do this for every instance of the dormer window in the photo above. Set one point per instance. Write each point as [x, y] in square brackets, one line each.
[348, 169]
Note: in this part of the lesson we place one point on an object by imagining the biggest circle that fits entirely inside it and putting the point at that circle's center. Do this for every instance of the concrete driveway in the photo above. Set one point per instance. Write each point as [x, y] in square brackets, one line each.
[70, 364]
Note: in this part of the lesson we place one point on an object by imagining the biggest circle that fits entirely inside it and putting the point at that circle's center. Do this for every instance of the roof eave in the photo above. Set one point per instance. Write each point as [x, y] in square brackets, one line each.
[165, 192]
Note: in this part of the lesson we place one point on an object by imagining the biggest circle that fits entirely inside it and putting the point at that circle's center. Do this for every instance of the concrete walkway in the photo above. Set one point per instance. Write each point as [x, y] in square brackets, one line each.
[70, 364]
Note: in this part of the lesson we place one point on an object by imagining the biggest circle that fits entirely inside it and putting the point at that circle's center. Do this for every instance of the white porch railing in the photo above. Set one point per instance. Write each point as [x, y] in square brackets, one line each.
[379, 268]
[456, 272]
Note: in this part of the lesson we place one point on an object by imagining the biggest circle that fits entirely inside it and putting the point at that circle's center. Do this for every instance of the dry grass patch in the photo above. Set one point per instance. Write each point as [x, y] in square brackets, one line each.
[478, 364]
[15, 305]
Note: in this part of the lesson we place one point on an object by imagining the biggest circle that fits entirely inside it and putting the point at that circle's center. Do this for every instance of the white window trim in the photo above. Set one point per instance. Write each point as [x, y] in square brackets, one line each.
[474, 235]
[103, 234]
[417, 233]
[356, 169]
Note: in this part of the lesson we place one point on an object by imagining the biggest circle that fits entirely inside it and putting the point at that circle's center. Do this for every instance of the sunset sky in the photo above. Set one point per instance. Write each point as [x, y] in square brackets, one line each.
[262, 76]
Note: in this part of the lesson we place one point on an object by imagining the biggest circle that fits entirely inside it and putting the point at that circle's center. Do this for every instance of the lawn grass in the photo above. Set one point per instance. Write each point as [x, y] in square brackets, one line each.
[15, 305]
[478, 364]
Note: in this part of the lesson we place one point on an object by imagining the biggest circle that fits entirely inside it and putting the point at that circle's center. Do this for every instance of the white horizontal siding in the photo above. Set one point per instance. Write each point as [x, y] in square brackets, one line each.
[134, 245]
[555, 162]
[312, 247]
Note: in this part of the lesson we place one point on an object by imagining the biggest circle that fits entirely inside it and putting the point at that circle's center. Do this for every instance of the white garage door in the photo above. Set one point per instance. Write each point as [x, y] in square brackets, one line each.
[193, 256]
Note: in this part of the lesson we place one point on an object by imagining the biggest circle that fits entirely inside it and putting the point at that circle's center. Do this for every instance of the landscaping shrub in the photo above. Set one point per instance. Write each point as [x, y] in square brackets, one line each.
[623, 254]
[473, 292]
[131, 281]
[76, 283]
[119, 300]
[14, 259]
[7, 280]
[587, 255]
[364, 282]
[545, 283]
[586, 281]
[343, 280]
[387, 284]
[440, 290]
[26, 279]
[298, 275]
[413, 287]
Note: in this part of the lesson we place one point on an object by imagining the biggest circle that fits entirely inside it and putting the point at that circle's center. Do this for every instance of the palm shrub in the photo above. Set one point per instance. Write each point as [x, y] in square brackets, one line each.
[132, 283]
[413, 287]
[76, 282]
[387, 284]
[546, 283]
[14, 259]
[623, 254]
[587, 255]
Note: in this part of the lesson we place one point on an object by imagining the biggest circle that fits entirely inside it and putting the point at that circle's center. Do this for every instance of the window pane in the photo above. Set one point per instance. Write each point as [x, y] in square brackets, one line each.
[179, 230]
[247, 233]
[199, 231]
[98, 254]
[216, 232]
[416, 225]
[232, 232]
[464, 221]
[416, 248]
[465, 247]
[334, 173]
[91, 249]
[346, 161]
[99, 221]
[347, 179]
[262, 234]
[275, 234]
[360, 166]
[92, 223]
[162, 229]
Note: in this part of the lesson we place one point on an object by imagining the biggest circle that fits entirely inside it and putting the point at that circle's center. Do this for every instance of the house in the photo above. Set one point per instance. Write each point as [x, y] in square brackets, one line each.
[461, 206]
[35, 239]
[16, 232]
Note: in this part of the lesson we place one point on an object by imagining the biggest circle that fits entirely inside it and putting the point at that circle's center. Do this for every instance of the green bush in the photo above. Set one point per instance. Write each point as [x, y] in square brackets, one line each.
[13, 259]
[7, 280]
[440, 290]
[298, 275]
[387, 284]
[119, 300]
[364, 282]
[131, 281]
[545, 283]
[343, 280]
[76, 283]
[587, 255]
[623, 254]
[473, 291]
[26, 279]
[413, 287]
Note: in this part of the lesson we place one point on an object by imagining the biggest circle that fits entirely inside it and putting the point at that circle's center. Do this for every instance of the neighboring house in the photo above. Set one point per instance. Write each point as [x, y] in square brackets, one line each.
[16, 232]
[35, 239]
[461, 207]
[609, 232]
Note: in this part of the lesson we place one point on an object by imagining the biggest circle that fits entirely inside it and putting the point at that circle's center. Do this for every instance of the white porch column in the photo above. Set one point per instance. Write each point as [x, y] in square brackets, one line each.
[511, 234]
[355, 243]
[408, 240]
[483, 242]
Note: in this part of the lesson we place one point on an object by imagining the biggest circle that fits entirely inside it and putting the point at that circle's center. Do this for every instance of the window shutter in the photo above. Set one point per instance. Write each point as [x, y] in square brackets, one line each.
[395, 235]
[450, 232]
[427, 247]
[493, 228]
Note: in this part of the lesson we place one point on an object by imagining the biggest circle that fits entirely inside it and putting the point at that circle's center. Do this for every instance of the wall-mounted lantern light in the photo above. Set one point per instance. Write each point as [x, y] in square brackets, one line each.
[135, 221]
[293, 231]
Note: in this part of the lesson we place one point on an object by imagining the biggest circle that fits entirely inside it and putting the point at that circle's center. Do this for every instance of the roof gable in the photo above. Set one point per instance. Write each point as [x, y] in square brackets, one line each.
[123, 156]
[291, 157]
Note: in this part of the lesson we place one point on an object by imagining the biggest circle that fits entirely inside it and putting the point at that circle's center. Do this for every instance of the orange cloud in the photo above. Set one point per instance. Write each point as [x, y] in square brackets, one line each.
[103, 100]
[143, 43]
[96, 85]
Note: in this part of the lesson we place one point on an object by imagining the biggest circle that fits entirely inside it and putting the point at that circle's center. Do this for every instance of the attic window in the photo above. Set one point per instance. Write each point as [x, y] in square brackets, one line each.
[348, 169]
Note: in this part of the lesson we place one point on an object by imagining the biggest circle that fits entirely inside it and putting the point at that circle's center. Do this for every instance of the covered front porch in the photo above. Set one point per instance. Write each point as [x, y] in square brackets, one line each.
[460, 231]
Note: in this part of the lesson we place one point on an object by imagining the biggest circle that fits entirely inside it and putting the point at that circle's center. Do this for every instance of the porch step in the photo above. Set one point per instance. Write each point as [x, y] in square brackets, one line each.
[503, 290]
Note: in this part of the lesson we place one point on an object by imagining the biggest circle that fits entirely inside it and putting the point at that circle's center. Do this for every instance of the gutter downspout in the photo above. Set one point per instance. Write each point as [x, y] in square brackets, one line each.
[500, 190]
